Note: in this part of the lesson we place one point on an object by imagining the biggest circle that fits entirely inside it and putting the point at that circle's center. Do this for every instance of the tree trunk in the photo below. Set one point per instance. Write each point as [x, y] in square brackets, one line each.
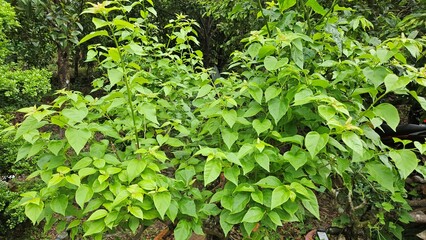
[63, 68]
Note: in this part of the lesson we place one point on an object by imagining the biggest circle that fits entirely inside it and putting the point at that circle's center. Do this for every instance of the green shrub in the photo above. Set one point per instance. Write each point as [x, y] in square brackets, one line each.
[20, 87]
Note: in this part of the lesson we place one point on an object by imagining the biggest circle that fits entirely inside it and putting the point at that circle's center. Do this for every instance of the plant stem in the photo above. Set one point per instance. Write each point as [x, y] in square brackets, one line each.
[263, 15]
[128, 90]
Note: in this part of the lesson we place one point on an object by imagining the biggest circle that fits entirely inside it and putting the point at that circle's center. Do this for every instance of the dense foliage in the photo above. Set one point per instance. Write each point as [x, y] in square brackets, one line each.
[294, 115]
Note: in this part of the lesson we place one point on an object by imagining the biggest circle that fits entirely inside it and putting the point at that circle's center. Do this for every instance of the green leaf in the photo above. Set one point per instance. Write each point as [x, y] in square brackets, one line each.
[316, 7]
[92, 35]
[98, 214]
[99, 22]
[188, 207]
[311, 204]
[405, 161]
[73, 179]
[59, 204]
[135, 168]
[280, 195]
[269, 182]
[353, 141]
[275, 218]
[121, 196]
[261, 126]
[232, 174]
[277, 108]
[77, 138]
[33, 211]
[381, 174]
[286, 4]
[229, 137]
[55, 146]
[230, 116]
[393, 82]
[149, 111]
[83, 195]
[133, 224]
[162, 202]
[29, 124]
[82, 163]
[270, 63]
[375, 75]
[115, 75]
[389, 113]
[204, 90]
[75, 115]
[272, 92]
[256, 92]
[315, 142]
[298, 57]
[263, 160]
[266, 50]
[296, 157]
[212, 170]
[183, 230]
[94, 227]
[135, 211]
[253, 215]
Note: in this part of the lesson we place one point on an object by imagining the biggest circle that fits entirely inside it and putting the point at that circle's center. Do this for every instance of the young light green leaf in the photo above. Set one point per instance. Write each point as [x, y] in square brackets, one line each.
[405, 160]
[212, 170]
[98, 214]
[315, 142]
[33, 211]
[286, 4]
[316, 7]
[253, 215]
[162, 202]
[353, 141]
[77, 138]
[280, 195]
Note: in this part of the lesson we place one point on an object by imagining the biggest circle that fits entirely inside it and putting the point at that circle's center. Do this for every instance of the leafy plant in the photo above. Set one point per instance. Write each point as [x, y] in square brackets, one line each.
[168, 142]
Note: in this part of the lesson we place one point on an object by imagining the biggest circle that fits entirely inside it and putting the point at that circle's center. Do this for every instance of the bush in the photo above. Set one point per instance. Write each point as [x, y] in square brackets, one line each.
[20, 87]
